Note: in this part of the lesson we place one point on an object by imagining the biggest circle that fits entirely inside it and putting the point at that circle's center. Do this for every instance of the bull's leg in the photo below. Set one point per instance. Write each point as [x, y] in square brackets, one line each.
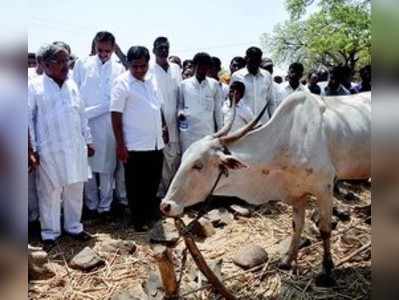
[298, 222]
[325, 205]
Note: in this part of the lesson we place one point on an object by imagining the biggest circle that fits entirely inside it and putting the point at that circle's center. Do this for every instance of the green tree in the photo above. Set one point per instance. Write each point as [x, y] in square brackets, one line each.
[335, 32]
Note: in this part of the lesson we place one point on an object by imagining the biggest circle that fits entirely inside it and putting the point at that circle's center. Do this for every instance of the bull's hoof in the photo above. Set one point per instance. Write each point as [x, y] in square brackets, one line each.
[284, 265]
[325, 280]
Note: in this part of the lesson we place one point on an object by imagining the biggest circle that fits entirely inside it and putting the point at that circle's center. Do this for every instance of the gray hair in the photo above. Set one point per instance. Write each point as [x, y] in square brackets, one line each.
[39, 58]
[49, 52]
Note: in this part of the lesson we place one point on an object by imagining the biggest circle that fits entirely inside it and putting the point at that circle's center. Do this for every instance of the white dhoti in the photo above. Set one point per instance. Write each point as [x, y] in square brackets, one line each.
[50, 200]
[172, 156]
[99, 196]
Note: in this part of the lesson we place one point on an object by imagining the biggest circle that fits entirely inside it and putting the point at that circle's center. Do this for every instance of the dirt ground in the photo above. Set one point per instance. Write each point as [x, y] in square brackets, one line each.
[267, 227]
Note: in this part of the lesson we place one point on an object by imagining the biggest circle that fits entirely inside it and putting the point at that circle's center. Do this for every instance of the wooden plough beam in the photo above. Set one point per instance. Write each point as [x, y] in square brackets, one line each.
[200, 261]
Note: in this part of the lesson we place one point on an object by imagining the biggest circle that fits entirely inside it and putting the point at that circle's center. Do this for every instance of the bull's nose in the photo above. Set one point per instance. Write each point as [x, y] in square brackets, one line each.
[166, 208]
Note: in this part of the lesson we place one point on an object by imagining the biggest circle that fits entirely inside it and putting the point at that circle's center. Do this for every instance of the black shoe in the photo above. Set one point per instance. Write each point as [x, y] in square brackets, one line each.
[89, 214]
[105, 216]
[118, 210]
[48, 245]
[84, 236]
[139, 228]
[34, 229]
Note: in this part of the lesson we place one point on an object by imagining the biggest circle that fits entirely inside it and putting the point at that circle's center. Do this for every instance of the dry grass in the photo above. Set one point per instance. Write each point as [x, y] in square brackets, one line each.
[269, 225]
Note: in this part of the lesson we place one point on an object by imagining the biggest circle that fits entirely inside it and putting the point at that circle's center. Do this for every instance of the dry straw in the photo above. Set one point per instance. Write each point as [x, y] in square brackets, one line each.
[271, 223]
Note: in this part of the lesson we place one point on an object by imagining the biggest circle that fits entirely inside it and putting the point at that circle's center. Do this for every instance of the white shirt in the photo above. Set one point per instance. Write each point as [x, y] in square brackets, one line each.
[59, 130]
[243, 115]
[141, 109]
[202, 105]
[166, 83]
[94, 80]
[258, 90]
[32, 74]
[224, 90]
[276, 96]
[284, 90]
[341, 91]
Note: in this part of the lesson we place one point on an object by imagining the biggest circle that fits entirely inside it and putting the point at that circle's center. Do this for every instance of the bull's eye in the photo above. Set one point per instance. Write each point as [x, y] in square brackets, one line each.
[198, 166]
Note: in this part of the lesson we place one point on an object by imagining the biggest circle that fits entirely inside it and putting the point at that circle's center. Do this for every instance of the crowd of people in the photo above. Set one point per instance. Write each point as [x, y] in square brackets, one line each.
[109, 130]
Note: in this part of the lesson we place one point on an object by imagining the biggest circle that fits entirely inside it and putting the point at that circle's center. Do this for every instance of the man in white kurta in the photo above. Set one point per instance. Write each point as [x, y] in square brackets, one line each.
[267, 64]
[258, 83]
[200, 103]
[61, 138]
[94, 76]
[292, 85]
[166, 78]
[214, 72]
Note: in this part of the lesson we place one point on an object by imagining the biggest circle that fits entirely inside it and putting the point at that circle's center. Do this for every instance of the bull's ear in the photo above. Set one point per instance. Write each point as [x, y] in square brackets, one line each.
[230, 162]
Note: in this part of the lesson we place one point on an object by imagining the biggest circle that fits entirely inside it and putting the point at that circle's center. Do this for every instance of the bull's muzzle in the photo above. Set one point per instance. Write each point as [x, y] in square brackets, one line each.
[171, 209]
[166, 208]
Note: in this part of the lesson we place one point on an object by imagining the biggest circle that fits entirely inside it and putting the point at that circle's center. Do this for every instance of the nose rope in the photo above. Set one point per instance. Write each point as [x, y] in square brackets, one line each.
[203, 210]
[185, 232]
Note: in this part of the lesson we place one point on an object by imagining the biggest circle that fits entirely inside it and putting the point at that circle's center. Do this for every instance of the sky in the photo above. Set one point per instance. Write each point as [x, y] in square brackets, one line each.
[223, 28]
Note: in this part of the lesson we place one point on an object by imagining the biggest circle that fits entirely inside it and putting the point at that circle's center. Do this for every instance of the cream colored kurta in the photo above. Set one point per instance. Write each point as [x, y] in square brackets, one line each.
[94, 80]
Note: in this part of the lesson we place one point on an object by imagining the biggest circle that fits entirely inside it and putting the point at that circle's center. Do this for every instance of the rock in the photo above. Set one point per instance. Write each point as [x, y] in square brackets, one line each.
[38, 268]
[342, 214]
[124, 247]
[136, 293]
[219, 217]
[153, 287]
[207, 228]
[164, 232]
[250, 256]
[203, 228]
[241, 211]
[86, 260]
[283, 246]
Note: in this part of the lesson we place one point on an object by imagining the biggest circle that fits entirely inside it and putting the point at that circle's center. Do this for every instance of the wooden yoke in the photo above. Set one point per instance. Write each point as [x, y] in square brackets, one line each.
[163, 257]
[200, 261]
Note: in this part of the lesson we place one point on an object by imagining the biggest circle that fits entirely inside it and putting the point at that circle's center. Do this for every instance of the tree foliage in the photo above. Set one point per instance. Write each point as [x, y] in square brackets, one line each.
[335, 32]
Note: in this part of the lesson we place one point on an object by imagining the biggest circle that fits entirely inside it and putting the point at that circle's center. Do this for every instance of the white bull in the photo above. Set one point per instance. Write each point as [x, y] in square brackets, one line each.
[309, 141]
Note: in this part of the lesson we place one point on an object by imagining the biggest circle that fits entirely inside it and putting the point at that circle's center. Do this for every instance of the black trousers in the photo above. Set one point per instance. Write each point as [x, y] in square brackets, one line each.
[143, 172]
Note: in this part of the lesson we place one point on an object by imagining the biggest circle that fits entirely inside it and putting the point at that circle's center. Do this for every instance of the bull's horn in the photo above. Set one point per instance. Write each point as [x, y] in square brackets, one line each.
[227, 127]
[244, 130]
